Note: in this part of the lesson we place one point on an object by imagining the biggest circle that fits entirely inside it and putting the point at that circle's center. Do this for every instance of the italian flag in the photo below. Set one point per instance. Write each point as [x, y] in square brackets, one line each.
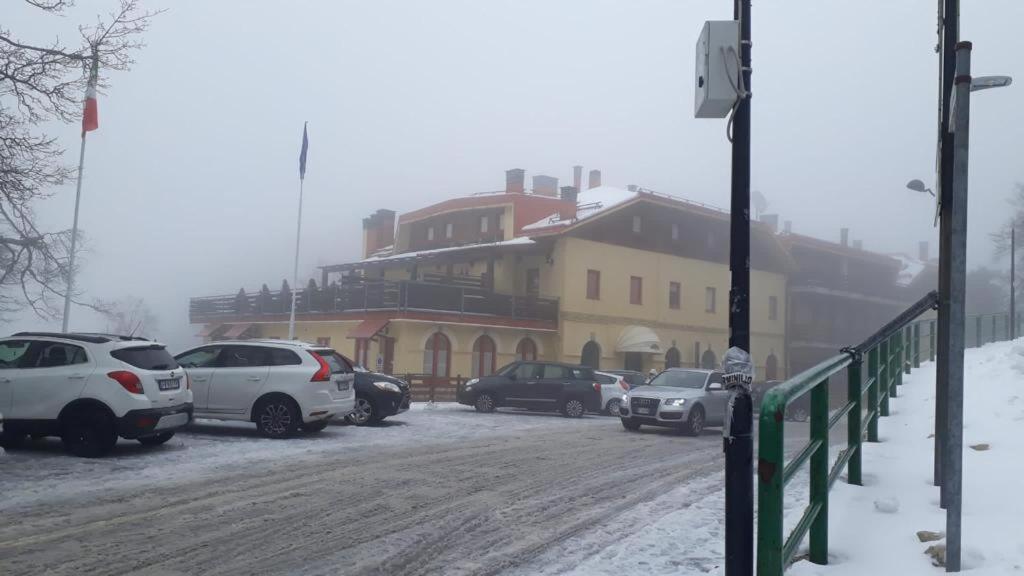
[91, 114]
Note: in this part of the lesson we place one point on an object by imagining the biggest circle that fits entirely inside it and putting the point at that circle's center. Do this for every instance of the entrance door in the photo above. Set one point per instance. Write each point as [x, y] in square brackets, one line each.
[389, 354]
[634, 361]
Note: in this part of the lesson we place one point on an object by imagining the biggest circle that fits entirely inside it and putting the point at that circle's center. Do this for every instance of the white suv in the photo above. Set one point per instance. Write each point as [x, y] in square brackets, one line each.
[88, 389]
[283, 386]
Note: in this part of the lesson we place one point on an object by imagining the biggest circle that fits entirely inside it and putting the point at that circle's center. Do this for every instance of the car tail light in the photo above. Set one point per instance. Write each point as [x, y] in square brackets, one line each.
[188, 381]
[324, 373]
[623, 385]
[128, 380]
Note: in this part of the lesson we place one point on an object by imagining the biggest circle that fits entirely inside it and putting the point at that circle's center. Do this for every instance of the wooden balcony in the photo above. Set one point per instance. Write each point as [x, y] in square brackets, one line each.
[374, 295]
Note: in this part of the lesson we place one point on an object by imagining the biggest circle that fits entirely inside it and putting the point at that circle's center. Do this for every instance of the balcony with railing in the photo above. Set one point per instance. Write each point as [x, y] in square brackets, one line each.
[373, 295]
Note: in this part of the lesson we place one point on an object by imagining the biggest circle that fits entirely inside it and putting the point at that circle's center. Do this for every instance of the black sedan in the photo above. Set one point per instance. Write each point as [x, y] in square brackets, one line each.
[377, 397]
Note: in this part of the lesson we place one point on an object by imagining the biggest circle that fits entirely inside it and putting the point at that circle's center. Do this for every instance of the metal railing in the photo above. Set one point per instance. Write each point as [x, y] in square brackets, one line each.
[890, 352]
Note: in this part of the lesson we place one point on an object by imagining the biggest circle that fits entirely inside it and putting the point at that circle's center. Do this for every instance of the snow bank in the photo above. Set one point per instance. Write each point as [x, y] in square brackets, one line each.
[873, 528]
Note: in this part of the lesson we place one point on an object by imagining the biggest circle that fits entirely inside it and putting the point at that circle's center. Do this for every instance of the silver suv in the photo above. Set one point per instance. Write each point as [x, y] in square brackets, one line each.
[683, 398]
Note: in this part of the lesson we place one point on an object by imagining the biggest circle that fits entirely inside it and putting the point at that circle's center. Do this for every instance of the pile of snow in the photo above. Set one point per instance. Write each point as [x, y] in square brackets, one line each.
[874, 529]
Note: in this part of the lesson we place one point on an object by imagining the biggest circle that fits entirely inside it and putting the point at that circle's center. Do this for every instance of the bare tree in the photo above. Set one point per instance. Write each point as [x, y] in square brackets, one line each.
[129, 315]
[39, 84]
[1001, 238]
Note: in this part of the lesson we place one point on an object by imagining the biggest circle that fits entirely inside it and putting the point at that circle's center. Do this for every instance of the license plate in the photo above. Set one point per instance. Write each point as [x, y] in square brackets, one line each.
[342, 386]
[643, 410]
[172, 384]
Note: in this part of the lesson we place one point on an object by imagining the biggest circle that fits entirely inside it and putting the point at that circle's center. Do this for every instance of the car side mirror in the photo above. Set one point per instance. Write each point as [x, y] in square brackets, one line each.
[512, 376]
[715, 386]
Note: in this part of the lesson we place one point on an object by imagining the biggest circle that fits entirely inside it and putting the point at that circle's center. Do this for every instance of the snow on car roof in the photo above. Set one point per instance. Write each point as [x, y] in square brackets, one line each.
[588, 203]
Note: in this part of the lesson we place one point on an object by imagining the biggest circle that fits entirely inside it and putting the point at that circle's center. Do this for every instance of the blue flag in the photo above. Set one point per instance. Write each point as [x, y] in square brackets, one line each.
[302, 155]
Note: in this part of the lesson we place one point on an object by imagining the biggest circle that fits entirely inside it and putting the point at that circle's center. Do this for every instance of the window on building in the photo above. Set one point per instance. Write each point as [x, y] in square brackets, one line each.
[483, 356]
[709, 299]
[636, 290]
[484, 222]
[637, 225]
[773, 308]
[674, 290]
[448, 230]
[430, 233]
[675, 231]
[526, 350]
[501, 221]
[436, 355]
[593, 285]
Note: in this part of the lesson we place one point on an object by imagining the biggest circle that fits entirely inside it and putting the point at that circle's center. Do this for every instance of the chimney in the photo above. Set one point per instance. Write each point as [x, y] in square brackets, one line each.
[378, 231]
[772, 220]
[577, 177]
[514, 181]
[787, 227]
[858, 244]
[844, 236]
[545, 186]
[569, 194]
[595, 179]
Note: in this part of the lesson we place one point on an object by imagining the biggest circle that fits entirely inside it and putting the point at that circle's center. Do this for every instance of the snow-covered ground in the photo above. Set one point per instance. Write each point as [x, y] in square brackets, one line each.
[873, 528]
[210, 447]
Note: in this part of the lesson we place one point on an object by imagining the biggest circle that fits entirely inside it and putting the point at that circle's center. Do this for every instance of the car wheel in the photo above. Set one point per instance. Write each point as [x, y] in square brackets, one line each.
[695, 422]
[314, 427]
[613, 406]
[573, 408]
[364, 413]
[484, 403]
[156, 440]
[278, 417]
[798, 414]
[630, 425]
[89, 433]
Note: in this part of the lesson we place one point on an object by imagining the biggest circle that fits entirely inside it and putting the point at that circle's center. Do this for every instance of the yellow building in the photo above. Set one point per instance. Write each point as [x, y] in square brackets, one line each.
[609, 277]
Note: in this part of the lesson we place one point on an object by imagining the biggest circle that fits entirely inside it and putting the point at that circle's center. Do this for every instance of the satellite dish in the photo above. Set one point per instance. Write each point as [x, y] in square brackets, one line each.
[760, 203]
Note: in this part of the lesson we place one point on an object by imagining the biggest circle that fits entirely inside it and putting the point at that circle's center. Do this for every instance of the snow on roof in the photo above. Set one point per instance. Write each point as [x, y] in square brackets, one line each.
[522, 240]
[588, 203]
[909, 268]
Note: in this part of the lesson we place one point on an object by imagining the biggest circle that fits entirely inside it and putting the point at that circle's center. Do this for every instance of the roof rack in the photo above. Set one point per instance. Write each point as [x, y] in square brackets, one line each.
[90, 337]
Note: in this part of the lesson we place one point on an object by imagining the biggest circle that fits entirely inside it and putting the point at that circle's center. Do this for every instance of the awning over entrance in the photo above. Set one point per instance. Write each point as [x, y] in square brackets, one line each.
[208, 329]
[638, 339]
[236, 330]
[368, 328]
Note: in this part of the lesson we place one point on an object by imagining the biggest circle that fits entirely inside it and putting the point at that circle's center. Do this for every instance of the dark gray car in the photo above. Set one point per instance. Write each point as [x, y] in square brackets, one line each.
[684, 398]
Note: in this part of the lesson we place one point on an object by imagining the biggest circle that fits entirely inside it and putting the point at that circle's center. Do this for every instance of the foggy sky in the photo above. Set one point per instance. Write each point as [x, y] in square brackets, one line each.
[192, 178]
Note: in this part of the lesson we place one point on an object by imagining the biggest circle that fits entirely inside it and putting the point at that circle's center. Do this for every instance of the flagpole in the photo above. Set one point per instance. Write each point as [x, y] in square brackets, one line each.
[74, 237]
[295, 272]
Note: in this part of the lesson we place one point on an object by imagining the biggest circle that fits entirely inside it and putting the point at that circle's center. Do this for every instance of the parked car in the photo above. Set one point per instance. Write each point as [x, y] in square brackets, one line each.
[684, 398]
[284, 386]
[568, 388]
[89, 389]
[632, 377]
[377, 397]
[613, 387]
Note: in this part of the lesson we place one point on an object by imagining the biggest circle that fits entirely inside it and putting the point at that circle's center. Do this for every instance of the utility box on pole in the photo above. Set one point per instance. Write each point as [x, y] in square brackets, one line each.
[717, 75]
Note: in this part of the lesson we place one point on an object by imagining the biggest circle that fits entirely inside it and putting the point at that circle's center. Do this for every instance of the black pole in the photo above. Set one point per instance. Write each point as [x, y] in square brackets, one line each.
[950, 36]
[1013, 274]
[739, 447]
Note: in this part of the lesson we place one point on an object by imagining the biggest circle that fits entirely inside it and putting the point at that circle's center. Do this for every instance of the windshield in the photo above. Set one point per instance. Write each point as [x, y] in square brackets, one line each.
[680, 379]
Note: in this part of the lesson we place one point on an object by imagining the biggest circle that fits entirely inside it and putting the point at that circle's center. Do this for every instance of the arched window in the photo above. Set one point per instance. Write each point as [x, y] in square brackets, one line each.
[483, 356]
[526, 350]
[708, 360]
[591, 355]
[436, 355]
[672, 357]
[771, 367]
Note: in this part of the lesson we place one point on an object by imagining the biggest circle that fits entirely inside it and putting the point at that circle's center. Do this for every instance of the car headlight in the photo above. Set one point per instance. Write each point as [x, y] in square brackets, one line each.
[625, 398]
[388, 386]
[675, 401]
[471, 381]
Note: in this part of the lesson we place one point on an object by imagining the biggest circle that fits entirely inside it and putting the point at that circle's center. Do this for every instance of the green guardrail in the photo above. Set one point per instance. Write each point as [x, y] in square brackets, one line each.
[890, 352]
